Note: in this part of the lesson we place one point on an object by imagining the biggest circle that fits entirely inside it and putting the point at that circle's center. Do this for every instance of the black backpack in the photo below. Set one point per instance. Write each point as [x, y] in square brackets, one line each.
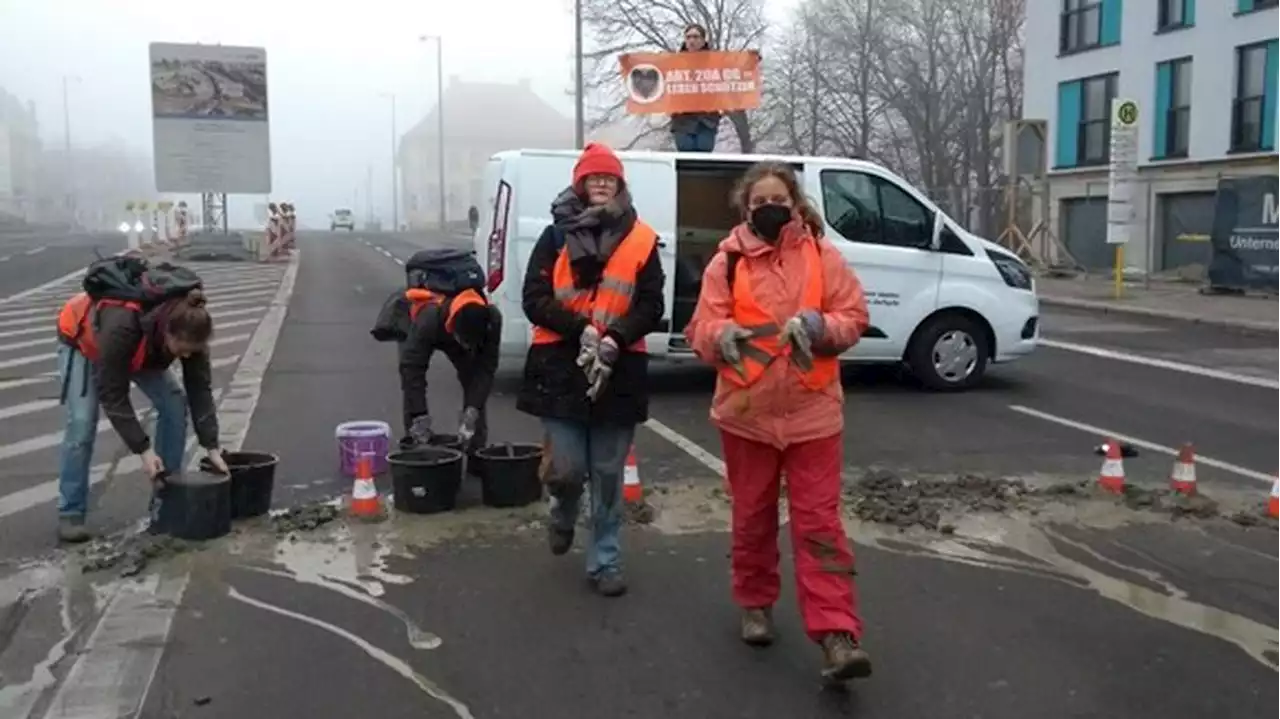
[133, 279]
[445, 272]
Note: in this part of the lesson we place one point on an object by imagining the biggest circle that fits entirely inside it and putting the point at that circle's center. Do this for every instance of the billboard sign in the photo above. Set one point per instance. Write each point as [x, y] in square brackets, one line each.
[1244, 238]
[209, 119]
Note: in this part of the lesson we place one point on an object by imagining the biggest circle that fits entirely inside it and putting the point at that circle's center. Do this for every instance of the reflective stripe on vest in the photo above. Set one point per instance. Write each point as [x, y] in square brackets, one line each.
[420, 299]
[75, 327]
[765, 345]
[611, 298]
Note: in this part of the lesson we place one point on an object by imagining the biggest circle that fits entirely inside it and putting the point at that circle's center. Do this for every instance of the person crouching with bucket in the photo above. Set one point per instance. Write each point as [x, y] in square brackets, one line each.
[778, 305]
[135, 324]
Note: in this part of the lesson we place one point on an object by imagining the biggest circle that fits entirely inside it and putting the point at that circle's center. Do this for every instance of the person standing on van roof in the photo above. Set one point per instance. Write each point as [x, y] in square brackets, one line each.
[130, 325]
[777, 307]
[695, 131]
[443, 308]
[593, 290]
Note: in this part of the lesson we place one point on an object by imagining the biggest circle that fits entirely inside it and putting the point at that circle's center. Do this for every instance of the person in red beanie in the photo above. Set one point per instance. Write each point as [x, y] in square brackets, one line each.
[592, 291]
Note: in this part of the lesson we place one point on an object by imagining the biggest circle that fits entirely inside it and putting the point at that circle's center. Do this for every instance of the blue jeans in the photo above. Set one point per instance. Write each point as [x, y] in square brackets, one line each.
[701, 140]
[599, 453]
[170, 441]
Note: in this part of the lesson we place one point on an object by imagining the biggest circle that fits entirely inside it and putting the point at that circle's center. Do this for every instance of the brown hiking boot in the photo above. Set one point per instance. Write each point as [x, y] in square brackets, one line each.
[843, 659]
[757, 626]
[71, 530]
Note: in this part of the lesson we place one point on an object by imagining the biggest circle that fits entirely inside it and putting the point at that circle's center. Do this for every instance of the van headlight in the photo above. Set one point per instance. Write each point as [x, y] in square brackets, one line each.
[1012, 270]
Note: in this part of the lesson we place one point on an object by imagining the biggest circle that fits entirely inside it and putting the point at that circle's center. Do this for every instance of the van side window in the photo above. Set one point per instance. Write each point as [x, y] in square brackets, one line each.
[864, 208]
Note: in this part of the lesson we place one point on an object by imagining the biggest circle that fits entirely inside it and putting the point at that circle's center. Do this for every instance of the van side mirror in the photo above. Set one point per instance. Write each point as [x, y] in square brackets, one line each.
[935, 238]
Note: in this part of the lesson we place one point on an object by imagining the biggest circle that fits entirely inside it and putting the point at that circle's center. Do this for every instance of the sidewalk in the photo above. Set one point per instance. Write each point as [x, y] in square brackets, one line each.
[1168, 300]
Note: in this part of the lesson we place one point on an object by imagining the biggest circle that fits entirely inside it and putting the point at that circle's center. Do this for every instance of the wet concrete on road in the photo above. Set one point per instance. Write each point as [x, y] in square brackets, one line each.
[1052, 607]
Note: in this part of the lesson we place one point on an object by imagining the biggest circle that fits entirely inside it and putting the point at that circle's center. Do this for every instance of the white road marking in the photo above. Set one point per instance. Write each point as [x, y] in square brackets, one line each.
[39, 494]
[27, 331]
[691, 448]
[1161, 364]
[113, 676]
[1101, 433]
[43, 377]
[34, 250]
[28, 311]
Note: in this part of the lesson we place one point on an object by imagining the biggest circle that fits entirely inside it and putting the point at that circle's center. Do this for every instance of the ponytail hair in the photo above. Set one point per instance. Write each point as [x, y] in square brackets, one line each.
[189, 319]
[804, 209]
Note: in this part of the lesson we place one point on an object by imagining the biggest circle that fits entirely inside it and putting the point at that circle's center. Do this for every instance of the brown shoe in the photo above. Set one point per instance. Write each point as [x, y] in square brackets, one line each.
[843, 659]
[757, 626]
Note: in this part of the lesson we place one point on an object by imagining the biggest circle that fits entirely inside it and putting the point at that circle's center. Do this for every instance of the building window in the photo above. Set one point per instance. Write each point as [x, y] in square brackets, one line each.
[1173, 109]
[1244, 6]
[1096, 94]
[1254, 98]
[1175, 14]
[865, 208]
[1081, 27]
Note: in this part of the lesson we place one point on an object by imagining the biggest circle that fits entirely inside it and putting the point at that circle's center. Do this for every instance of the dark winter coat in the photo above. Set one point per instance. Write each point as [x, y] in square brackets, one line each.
[475, 370]
[118, 332]
[554, 385]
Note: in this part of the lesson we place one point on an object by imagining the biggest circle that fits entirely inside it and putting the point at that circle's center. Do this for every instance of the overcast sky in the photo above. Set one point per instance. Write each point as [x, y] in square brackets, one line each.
[327, 71]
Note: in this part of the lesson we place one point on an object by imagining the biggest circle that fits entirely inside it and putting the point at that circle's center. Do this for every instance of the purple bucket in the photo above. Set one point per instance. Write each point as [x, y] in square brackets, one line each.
[357, 439]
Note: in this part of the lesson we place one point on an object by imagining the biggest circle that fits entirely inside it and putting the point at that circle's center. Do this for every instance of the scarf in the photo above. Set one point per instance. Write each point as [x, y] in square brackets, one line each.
[592, 233]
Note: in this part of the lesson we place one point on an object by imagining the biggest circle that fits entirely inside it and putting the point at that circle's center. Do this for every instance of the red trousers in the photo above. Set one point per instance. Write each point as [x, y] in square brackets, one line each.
[823, 559]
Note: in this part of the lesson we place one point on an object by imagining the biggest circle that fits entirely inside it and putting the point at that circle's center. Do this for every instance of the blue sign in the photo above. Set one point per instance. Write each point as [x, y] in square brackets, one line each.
[1245, 238]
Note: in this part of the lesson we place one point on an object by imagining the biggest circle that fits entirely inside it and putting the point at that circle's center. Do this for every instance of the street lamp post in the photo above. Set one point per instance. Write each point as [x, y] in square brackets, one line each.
[579, 114]
[395, 195]
[69, 185]
[439, 41]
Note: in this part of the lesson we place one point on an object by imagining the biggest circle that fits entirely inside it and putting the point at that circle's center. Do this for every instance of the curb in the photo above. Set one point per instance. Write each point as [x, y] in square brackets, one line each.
[1110, 308]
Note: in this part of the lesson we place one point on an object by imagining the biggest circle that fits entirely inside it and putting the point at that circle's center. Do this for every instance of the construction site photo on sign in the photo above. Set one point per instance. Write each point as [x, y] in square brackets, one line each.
[667, 83]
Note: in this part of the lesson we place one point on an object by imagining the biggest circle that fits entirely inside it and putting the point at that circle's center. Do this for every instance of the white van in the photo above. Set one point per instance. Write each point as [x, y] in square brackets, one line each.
[945, 302]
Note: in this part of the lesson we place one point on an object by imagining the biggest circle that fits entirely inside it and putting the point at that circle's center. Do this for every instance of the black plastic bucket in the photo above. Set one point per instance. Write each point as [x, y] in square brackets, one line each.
[253, 479]
[426, 480]
[450, 441]
[195, 507]
[510, 474]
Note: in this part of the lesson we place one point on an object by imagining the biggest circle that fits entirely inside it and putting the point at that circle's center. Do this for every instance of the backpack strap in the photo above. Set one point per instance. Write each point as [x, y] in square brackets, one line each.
[731, 268]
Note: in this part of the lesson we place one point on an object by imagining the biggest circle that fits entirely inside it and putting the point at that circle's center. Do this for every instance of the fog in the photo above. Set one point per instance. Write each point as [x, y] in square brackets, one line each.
[330, 74]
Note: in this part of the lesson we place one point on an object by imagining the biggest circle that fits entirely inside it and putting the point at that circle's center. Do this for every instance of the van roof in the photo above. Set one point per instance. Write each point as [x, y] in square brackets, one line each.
[701, 157]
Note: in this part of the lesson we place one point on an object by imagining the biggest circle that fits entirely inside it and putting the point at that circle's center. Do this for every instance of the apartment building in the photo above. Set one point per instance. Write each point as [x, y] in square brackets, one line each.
[1203, 73]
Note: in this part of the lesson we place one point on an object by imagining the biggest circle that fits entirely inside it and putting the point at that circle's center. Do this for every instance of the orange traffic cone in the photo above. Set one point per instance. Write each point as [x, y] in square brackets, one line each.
[364, 491]
[1183, 478]
[1111, 478]
[632, 491]
[1273, 502]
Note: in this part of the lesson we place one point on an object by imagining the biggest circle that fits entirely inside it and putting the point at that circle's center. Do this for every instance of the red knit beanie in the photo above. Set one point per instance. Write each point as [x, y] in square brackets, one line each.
[597, 159]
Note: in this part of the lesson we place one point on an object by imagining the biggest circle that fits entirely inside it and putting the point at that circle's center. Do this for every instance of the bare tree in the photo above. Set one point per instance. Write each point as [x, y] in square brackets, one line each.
[621, 26]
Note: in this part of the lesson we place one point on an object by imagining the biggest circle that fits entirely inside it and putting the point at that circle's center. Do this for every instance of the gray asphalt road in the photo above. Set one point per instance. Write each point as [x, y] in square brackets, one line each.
[28, 260]
[1082, 610]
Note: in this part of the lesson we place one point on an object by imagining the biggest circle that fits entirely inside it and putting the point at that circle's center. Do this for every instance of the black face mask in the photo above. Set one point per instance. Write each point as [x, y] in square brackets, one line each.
[767, 221]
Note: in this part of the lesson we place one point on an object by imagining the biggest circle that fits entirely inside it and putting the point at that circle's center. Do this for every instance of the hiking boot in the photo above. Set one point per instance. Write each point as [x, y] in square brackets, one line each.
[610, 583]
[843, 659]
[71, 530]
[560, 540]
[757, 626]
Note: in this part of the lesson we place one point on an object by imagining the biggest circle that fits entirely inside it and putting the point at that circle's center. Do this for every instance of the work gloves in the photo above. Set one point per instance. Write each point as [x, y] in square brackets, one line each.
[588, 344]
[731, 339]
[467, 428]
[420, 430]
[801, 332]
[601, 367]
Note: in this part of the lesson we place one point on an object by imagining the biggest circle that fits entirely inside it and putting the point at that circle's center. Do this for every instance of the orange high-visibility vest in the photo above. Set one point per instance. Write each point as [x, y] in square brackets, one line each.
[419, 299]
[75, 327]
[765, 345]
[611, 299]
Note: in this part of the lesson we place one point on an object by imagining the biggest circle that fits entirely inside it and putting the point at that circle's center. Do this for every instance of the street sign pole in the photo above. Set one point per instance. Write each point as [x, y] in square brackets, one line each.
[1122, 182]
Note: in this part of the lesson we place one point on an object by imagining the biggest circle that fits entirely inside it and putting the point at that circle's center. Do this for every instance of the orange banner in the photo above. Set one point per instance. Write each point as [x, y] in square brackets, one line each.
[667, 83]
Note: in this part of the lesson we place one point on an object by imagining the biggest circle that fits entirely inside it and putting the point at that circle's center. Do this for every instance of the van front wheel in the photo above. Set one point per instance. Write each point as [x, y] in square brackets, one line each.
[949, 353]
